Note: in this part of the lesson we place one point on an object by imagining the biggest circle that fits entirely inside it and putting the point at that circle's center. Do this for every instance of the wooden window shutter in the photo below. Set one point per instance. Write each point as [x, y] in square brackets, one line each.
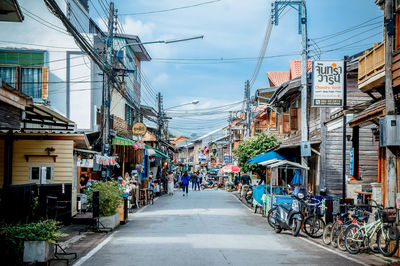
[272, 119]
[293, 119]
[286, 123]
[397, 30]
[45, 83]
[280, 124]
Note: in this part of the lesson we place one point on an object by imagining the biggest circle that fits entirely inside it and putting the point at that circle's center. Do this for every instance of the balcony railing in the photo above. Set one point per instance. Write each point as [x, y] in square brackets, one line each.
[371, 68]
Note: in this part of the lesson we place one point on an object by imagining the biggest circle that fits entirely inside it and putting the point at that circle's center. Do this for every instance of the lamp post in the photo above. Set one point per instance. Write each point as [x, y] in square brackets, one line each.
[176, 106]
[161, 41]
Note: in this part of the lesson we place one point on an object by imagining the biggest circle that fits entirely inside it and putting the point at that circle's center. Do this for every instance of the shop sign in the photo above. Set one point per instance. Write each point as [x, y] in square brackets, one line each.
[87, 163]
[106, 160]
[227, 159]
[351, 166]
[202, 157]
[139, 129]
[328, 83]
[138, 146]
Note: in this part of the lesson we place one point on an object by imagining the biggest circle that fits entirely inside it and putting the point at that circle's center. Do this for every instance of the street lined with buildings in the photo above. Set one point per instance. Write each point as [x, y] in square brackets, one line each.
[109, 109]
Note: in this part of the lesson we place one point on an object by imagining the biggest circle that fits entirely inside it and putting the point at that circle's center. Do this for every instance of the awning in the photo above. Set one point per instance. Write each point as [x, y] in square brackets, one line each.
[122, 141]
[370, 114]
[153, 152]
[282, 163]
[267, 156]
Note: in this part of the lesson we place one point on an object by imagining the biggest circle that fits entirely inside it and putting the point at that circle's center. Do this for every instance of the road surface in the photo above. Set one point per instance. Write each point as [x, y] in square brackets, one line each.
[206, 228]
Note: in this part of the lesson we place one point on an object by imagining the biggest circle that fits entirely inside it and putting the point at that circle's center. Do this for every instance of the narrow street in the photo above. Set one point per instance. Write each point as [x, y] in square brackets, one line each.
[206, 228]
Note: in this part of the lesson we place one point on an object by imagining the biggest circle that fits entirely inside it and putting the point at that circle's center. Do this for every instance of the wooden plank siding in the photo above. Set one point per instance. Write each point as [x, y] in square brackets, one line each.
[63, 167]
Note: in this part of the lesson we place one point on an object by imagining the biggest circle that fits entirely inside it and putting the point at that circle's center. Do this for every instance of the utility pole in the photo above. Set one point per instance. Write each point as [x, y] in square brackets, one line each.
[107, 89]
[230, 137]
[248, 109]
[160, 120]
[391, 175]
[304, 89]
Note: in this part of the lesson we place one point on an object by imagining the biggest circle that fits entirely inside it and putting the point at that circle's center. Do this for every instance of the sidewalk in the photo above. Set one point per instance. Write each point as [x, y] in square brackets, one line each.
[82, 241]
[363, 257]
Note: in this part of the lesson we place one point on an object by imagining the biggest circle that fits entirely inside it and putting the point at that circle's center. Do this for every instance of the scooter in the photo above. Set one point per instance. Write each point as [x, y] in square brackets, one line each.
[289, 217]
[249, 195]
[208, 184]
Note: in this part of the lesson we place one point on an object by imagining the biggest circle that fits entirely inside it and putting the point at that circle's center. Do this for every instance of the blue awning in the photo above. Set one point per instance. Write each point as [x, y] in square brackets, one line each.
[268, 156]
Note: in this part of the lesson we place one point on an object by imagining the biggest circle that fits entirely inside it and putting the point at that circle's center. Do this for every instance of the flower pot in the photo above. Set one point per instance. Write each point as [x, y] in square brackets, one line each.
[38, 251]
[110, 221]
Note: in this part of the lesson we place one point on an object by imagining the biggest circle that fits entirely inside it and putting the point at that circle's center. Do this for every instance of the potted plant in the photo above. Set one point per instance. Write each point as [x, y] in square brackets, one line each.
[35, 240]
[110, 198]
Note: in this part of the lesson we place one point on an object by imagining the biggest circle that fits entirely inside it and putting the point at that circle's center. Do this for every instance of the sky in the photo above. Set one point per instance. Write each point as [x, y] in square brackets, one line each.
[204, 69]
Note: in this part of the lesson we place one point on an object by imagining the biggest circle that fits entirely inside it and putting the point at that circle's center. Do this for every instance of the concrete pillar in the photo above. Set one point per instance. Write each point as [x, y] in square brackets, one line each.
[376, 192]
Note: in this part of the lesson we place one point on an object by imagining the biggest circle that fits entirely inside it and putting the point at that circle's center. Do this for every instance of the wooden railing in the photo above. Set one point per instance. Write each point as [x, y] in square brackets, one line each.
[372, 63]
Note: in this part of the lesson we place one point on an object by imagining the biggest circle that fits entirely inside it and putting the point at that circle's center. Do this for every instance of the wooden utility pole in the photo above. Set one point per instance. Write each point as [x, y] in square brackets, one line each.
[391, 175]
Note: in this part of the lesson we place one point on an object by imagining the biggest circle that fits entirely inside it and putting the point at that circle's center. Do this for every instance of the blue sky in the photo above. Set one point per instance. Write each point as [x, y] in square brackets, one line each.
[234, 29]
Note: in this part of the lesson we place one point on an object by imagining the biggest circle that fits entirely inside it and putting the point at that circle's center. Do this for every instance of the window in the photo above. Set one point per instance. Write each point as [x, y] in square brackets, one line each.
[25, 72]
[129, 114]
[41, 173]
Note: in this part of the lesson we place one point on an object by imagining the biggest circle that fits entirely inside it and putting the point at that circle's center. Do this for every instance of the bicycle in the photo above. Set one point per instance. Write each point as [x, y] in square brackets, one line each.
[313, 224]
[386, 235]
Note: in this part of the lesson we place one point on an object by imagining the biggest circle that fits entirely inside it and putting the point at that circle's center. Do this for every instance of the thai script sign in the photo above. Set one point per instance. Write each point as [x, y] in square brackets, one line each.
[139, 129]
[328, 83]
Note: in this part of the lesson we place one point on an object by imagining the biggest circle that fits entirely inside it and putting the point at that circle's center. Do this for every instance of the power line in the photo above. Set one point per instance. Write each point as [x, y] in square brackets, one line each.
[170, 9]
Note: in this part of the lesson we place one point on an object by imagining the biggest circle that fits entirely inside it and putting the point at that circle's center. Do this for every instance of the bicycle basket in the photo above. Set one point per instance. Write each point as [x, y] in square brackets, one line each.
[388, 215]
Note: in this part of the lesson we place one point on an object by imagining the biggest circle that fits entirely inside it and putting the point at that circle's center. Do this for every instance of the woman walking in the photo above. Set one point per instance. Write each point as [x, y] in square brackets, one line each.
[170, 179]
[185, 183]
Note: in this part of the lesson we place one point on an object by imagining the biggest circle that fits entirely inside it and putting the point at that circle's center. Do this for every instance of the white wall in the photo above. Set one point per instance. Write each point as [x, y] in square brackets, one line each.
[32, 35]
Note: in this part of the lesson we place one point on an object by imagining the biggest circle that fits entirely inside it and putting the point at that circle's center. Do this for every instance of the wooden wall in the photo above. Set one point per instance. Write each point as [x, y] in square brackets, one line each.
[63, 167]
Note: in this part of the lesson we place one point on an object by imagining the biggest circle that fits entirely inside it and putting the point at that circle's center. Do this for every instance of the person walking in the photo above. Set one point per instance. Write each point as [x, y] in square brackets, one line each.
[198, 181]
[185, 183]
[194, 181]
[170, 179]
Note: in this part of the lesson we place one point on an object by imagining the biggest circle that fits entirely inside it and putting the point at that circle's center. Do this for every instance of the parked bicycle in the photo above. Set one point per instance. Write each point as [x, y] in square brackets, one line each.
[313, 223]
[387, 237]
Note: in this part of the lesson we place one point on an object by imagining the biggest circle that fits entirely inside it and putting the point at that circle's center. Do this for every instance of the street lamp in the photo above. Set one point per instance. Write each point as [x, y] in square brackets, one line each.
[161, 41]
[176, 106]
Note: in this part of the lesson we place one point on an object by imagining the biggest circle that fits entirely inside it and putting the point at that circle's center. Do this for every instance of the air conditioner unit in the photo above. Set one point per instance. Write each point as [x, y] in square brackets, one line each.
[389, 130]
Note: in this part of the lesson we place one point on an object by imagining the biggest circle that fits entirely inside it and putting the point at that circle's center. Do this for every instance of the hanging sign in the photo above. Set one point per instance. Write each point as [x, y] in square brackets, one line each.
[351, 163]
[139, 129]
[328, 83]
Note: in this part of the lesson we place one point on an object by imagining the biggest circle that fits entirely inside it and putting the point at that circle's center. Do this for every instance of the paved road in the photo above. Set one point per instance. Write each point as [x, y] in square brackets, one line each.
[206, 228]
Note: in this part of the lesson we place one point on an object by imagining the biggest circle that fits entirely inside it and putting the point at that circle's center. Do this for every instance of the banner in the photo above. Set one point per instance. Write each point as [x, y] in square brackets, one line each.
[328, 83]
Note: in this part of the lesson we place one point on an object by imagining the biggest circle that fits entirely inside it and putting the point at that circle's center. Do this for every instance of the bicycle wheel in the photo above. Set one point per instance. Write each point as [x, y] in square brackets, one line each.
[340, 240]
[353, 239]
[336, 228]
[271, 218]
[326, 236]
[373, 243]
[314, 226]
[388, 240]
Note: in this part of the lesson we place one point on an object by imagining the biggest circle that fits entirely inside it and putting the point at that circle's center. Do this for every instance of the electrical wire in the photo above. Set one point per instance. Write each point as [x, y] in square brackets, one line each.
[170, 9]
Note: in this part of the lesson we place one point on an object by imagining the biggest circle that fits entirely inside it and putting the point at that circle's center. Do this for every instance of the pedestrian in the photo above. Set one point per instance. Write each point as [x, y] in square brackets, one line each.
[198, 181]
[194, 180]
[185, 183]
[245, 180]
[170, 179]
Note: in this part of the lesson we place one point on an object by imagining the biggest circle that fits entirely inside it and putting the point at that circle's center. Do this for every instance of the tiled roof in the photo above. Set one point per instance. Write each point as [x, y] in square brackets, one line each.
[277, 78]
[295, 68]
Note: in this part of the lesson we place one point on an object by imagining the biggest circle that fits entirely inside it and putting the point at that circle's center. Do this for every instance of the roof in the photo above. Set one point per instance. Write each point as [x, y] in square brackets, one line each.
[372, 112]
[41, 118]
[13, 97]
[139, 50]
[267, 156]
[295, 68]
[149, 136]
[148, 110]
[263, 94]
[10, 11]
[277, 78]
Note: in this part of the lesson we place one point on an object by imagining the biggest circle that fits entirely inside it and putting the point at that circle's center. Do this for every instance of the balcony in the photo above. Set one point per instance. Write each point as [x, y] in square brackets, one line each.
[371, 69]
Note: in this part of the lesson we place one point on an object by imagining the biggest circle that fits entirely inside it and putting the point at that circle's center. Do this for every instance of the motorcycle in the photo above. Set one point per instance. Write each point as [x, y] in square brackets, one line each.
[249, 195]
[209, 184]
[289, 217]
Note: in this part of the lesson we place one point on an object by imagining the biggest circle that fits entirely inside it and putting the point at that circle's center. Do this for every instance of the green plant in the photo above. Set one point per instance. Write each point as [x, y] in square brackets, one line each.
[12, 238]
[41, 231]
[251, 147]
[110, 196]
